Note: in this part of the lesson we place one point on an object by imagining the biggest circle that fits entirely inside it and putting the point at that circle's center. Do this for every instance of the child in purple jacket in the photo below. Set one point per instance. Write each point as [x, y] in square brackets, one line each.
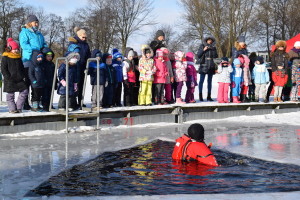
[191, 74]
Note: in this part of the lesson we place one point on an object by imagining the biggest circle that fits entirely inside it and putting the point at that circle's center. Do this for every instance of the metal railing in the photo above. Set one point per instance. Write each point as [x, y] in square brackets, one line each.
[67, 88]
[84, 86]
[98, 86]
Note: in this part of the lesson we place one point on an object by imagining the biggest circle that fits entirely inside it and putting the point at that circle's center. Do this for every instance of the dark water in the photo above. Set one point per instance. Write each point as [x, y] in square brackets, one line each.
[149, 170]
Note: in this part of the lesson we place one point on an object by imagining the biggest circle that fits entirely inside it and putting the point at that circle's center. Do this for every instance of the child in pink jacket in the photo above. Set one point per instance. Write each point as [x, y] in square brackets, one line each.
[180, 74]
[159, 77]
[191, 82]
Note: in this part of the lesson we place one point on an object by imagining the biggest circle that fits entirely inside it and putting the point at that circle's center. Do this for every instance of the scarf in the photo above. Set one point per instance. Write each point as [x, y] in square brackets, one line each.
[12, 55]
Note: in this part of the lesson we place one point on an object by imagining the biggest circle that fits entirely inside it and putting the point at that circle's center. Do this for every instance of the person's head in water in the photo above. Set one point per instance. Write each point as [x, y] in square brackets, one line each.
[196, 132]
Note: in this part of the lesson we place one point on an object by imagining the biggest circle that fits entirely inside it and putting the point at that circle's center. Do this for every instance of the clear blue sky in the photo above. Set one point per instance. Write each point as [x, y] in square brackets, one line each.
[166, 12]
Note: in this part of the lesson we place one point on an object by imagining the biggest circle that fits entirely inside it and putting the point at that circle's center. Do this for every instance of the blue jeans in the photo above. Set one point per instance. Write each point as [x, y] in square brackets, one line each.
[209, 82]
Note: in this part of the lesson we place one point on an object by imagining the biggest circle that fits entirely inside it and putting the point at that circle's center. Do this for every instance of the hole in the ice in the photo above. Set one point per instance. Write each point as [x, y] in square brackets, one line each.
[149, 170]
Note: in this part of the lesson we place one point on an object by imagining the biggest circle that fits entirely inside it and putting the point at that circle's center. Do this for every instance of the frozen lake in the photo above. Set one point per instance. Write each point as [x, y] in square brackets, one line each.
[28, 159]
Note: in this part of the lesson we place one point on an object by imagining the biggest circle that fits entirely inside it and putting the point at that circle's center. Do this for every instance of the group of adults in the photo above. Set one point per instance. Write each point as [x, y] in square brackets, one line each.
[32, 39]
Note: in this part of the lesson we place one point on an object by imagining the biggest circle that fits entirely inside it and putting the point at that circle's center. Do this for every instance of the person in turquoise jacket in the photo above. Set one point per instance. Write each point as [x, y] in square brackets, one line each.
[30, 39]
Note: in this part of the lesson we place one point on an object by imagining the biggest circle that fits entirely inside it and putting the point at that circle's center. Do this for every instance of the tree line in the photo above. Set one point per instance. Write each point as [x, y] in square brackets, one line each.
[110, 23]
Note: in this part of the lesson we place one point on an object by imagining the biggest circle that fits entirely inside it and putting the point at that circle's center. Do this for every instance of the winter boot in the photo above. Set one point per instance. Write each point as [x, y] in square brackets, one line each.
[209, 97]
[26, 105]
[200, 97]
[244, 98]
[179, 101]
[35, 106]
[235, 99]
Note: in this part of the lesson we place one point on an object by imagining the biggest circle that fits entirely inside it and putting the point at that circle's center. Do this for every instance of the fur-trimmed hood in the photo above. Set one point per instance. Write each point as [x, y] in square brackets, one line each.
[209, 37]
[146, 47]
[95, 52]
[280, 43]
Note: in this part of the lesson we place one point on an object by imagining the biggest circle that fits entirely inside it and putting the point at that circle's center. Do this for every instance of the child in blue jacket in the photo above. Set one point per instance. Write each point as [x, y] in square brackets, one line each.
[236, 80]
[96, 53]
[117, 65]
[72, 59]
[261, 78]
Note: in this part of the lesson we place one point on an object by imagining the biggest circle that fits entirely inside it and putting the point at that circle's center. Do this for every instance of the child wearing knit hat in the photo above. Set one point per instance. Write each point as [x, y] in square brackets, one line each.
[14, 77]
[224, 71]
[236, 80]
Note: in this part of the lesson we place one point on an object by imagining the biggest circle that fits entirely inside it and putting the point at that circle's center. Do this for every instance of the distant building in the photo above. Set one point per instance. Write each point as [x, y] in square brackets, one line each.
[263, 54]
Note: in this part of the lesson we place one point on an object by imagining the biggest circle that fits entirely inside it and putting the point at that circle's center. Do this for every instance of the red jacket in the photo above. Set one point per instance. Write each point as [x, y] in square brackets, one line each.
[187, 149]
[279, 78]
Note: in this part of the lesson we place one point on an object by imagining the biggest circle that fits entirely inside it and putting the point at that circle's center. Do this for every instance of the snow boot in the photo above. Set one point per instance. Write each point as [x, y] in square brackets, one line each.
[35, 106]
[209, 97]
[179, 101]
[200, 97]
[235, 99]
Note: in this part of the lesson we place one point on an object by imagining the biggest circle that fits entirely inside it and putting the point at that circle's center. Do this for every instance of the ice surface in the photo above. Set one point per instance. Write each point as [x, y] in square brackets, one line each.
[28, 159]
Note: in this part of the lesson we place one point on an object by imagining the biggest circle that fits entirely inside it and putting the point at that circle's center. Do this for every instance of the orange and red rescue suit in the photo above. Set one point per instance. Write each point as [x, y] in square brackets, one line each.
[187, 149]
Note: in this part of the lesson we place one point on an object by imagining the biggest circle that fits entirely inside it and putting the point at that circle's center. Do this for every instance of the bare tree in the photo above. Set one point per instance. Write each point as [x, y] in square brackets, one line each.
[54, 29]
[102, 23]
[9, 12]
[225, 20]
[132, 15]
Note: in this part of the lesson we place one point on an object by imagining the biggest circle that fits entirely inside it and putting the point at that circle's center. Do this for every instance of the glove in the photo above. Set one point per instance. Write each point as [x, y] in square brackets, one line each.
[106, 83]
[246, 84]
[75, 87]
[233, 84]
[34, 82]
[63, 82]
[126, 83]
[172, 79]
[294, 84]
[210, 145]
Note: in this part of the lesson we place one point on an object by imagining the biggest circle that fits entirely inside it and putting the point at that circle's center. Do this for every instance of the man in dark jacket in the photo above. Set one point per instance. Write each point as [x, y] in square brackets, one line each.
[206, 54]
[158, 42]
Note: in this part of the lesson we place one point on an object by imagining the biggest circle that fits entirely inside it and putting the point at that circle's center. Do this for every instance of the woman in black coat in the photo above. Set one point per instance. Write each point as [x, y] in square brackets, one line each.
[206, 54]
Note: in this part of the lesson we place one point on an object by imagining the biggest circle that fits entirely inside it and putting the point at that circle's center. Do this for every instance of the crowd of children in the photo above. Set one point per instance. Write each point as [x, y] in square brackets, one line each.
[156, 77]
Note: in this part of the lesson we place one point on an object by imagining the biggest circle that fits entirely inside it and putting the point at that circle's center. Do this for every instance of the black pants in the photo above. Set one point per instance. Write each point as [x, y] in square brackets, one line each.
[159, 93]
[26, 103]
[128, 94]
[286, 92]
[37, 94]
[71, 101]
[80, 86]
[117, 94]
[46, 97]
[108, 95]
